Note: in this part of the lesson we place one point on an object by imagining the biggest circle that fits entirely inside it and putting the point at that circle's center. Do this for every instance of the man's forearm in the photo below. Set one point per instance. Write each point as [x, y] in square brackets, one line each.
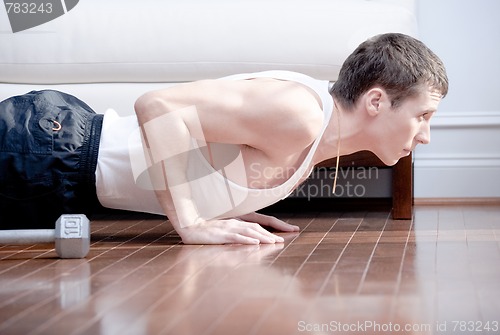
[167, 141]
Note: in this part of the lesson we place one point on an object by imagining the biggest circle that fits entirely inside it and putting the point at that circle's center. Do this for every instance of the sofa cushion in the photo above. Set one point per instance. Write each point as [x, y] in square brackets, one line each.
[173, 41]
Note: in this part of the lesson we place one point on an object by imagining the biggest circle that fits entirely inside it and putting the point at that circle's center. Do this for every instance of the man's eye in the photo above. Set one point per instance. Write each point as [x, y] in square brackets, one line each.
[424, 116]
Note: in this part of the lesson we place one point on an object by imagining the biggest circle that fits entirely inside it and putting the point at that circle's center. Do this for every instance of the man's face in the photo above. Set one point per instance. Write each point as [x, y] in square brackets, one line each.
[403, 128]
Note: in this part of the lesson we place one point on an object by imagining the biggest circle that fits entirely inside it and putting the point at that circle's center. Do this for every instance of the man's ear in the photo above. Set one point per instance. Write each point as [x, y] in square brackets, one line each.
[374, 99]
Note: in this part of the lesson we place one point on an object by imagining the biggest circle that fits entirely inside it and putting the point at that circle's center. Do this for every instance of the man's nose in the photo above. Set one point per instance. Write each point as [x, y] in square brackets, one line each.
[424, 136]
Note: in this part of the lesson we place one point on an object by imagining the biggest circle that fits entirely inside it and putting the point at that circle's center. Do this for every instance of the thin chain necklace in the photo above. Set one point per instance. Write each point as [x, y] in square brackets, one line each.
[338, 149]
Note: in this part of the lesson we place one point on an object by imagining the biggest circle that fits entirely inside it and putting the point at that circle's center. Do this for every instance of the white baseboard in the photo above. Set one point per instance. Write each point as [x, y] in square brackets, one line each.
[478, 201]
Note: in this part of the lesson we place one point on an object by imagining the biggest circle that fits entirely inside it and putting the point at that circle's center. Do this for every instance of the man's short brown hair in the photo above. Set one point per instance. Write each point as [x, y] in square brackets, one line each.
[398, 63]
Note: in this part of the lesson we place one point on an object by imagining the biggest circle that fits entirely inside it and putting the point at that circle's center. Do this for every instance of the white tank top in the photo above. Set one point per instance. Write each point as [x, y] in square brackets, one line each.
[214, 195]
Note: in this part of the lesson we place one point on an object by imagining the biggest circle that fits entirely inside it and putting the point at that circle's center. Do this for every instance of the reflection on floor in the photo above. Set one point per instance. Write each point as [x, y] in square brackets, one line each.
[344, 273]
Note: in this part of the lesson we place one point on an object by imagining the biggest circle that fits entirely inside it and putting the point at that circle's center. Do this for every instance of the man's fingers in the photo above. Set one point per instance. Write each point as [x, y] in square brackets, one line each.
[269, 221]
[271, 237]
[233, 238]
[254, 230]
[275, 223]
[231, 231]
[283, 226]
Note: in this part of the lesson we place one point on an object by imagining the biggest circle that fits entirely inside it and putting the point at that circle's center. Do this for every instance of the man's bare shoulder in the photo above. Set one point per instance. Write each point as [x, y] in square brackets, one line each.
[264, 92]
[292, 112]
[268, 114]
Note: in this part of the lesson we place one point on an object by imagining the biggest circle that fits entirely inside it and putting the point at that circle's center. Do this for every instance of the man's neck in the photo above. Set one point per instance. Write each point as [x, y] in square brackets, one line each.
[353, 136]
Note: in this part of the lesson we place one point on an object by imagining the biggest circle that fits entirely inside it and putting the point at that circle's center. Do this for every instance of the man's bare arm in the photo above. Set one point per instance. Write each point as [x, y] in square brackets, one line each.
[191, 111]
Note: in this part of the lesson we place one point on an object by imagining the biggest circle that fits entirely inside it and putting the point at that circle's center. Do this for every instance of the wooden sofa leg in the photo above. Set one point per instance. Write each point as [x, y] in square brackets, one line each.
[402, 189]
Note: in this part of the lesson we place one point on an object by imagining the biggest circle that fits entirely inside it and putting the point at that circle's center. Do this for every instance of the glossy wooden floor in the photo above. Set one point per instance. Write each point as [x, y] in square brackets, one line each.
[344, 273]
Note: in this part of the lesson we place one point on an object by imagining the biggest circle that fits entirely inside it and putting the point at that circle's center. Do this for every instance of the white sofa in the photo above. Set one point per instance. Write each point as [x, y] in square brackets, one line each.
[109, 52]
